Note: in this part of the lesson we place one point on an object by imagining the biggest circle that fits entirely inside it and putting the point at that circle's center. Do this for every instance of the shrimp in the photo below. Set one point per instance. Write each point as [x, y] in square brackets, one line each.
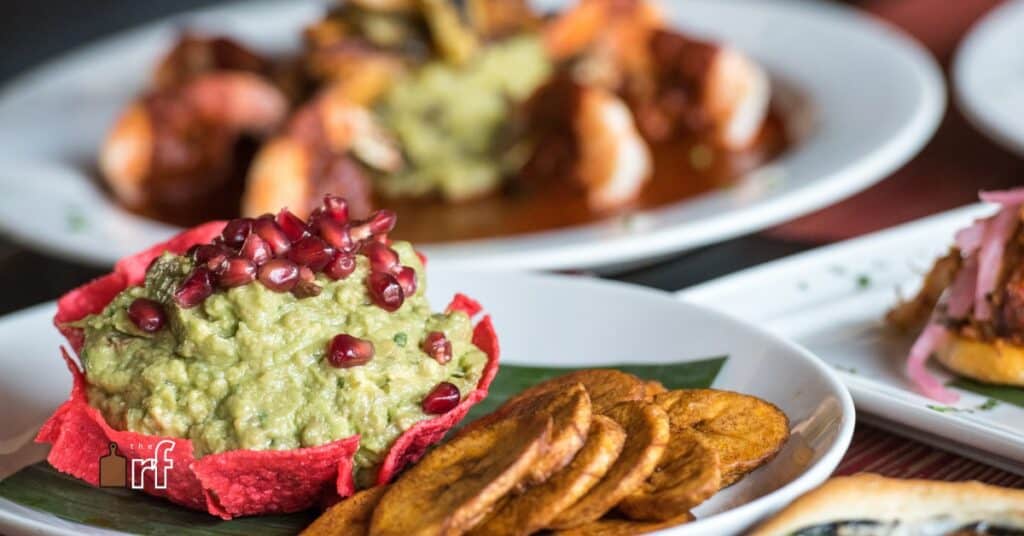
[587, 134]
[675, 84]
[173, 145]
[322, 150]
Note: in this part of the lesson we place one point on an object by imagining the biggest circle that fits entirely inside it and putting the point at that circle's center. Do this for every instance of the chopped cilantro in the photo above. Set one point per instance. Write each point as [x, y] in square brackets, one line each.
[863, 281]
[401, 338]
[989, 404]
[949, 409]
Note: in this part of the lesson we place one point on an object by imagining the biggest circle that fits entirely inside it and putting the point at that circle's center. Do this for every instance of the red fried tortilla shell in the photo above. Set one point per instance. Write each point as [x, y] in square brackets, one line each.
[234, 483]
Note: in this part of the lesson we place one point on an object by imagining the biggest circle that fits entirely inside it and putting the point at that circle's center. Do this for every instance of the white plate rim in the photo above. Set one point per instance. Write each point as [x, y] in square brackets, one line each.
[717, 524]
[980, 112]
[608, 243]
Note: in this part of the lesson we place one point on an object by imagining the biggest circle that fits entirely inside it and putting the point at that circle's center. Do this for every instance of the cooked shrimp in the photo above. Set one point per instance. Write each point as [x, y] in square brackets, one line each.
[586, 135]
[736, 97]
[316, 154]
[172, 145]
[615, 161]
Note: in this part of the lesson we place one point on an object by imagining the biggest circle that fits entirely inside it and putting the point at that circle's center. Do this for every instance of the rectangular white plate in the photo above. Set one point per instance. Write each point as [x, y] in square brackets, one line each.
[832, 301]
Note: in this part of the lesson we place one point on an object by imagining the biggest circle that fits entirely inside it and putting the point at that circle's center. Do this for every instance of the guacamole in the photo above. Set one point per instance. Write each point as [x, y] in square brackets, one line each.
[246, 368]
[450, 119]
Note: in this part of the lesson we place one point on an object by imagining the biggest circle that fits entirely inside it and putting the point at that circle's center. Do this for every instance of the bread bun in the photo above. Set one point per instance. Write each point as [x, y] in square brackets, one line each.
[1000, 361]
[871, 504]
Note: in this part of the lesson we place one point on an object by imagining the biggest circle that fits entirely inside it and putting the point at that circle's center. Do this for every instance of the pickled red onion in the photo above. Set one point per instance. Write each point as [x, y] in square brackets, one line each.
[961, 292]
[990, 258]
[969, 239]
[930, 339]
[1014, 196]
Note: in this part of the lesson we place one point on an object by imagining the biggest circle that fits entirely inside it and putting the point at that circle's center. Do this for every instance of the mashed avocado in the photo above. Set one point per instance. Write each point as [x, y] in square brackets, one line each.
[449, 119]
[246, 370]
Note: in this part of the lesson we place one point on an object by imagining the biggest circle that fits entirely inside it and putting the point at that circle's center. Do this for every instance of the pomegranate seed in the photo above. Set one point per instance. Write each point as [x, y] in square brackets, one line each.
[438, 346]
[406, 277]
[294, 228]
[312, 252]
[236, 231]
[360, 232]
[346, 351]
[341, 266]
[196, 287]
[147, 315]
[385, 291]
[336, 235]
[272, 234]
[382, 258]
[306, 289]
[441, 399]
[237, 271]
[383, 221]
[336, 208]
[210, 255]
[256, 249]
[279, 275]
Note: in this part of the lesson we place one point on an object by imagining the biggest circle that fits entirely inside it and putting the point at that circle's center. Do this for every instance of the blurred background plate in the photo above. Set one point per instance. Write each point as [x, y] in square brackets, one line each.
[864, 98]
[989, 75]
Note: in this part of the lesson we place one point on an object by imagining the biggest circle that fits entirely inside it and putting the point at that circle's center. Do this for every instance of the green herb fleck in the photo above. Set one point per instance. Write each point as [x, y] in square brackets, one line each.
[989, 404]
[949, 409]
[76, 220]
[401, 338]
[844, 368]
[863, 281]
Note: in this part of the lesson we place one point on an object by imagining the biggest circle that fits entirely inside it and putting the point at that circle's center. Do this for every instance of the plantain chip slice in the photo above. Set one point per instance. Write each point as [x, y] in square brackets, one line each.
[570, 411]
[454, 486]
[350, 517]
[606, 387]
[647, 432]
[533, 509]
[616, 527]
[745, 430]
[653, 388]
[688, 474]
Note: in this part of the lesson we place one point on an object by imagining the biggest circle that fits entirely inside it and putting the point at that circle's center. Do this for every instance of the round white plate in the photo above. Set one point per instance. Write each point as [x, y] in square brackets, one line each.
[544, 320]
[864, 98]
[988, 73]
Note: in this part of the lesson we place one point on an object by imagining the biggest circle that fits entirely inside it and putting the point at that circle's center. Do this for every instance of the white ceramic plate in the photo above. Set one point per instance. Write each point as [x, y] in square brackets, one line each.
[542, 320]
[988, 73]
[832, 301]
[864, 99]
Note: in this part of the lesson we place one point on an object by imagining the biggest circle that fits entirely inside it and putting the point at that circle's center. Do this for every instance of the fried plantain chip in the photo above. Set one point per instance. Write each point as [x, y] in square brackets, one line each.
[570, 411]
[653, 388]
[745, 431]
[533, 509]
[647, 432]
[687, 475]
[350, 517]
[606, 388]
[616, 527]
[451, 489]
